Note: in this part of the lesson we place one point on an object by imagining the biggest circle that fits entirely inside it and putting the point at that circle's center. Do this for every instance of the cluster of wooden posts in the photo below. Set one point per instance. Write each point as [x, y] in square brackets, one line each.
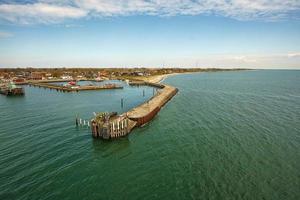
[82, 122]
[110, 129]
[118, 128]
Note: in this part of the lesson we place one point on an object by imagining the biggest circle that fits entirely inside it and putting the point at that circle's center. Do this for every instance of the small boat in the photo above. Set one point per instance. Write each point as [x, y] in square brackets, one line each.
[72, 83]
[98, 79]
[11, 90]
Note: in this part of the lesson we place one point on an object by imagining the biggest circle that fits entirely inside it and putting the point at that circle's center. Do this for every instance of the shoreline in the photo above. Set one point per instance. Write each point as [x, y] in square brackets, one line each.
[160, 78]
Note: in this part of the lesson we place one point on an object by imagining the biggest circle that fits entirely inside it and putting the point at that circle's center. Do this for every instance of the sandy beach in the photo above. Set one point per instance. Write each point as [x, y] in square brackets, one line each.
[160, 78]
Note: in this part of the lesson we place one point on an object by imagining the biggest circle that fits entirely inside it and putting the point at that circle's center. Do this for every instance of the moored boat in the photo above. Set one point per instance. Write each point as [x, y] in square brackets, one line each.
[11, 89]
[73, 83]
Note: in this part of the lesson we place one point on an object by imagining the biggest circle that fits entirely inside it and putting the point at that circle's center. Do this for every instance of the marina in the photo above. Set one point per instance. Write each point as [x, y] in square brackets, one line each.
[109, 125]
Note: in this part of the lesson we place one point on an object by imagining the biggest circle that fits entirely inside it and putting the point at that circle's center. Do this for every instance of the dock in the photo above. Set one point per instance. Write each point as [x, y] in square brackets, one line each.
[49, 81]
[74, 88]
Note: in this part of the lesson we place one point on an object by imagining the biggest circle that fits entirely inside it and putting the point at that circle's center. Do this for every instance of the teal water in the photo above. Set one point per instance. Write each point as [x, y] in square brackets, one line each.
[225, 135]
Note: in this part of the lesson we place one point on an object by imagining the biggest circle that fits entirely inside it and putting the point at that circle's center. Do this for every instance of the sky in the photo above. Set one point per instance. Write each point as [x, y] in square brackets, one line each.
[150, 33]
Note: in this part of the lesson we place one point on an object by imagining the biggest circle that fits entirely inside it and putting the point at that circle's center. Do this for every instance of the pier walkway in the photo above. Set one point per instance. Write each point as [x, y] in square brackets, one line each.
[75, 88]
[145, 112]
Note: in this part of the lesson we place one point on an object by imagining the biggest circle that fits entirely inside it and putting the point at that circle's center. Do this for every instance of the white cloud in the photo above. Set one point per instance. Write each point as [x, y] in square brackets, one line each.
[50, 11]
[239, 9]
[4, 34]
[271, 61]
[254, 61]
[39, 13]
[73, 26]
[242, 59]
[294, 55]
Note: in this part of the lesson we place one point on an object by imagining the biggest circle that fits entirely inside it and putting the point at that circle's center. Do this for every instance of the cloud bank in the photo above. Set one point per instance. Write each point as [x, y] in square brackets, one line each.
[55, 11]
[39, 13]
[4, 34]
[267, 61]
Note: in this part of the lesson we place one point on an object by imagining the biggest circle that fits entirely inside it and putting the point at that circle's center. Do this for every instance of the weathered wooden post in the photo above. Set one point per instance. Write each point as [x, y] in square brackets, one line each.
[76, 122]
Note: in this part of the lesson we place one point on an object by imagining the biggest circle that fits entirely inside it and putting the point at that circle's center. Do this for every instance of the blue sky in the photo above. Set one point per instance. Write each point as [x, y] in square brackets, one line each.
[158, 33]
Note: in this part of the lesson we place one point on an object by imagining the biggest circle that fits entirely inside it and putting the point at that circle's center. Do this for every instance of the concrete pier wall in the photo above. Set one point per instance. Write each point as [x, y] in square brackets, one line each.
[147, 111]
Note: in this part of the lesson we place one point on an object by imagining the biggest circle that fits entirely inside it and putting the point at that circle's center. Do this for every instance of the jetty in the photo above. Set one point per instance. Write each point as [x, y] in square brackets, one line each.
[75, 88]
[107, 127]
[145, 112]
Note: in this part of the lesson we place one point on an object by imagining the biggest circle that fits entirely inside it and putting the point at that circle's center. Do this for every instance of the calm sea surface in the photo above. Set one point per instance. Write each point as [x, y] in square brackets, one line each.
[225, 135]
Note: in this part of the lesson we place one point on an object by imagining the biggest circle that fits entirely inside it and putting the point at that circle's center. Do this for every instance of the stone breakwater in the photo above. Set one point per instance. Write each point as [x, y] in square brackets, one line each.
[143, 113]
[107, 127]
